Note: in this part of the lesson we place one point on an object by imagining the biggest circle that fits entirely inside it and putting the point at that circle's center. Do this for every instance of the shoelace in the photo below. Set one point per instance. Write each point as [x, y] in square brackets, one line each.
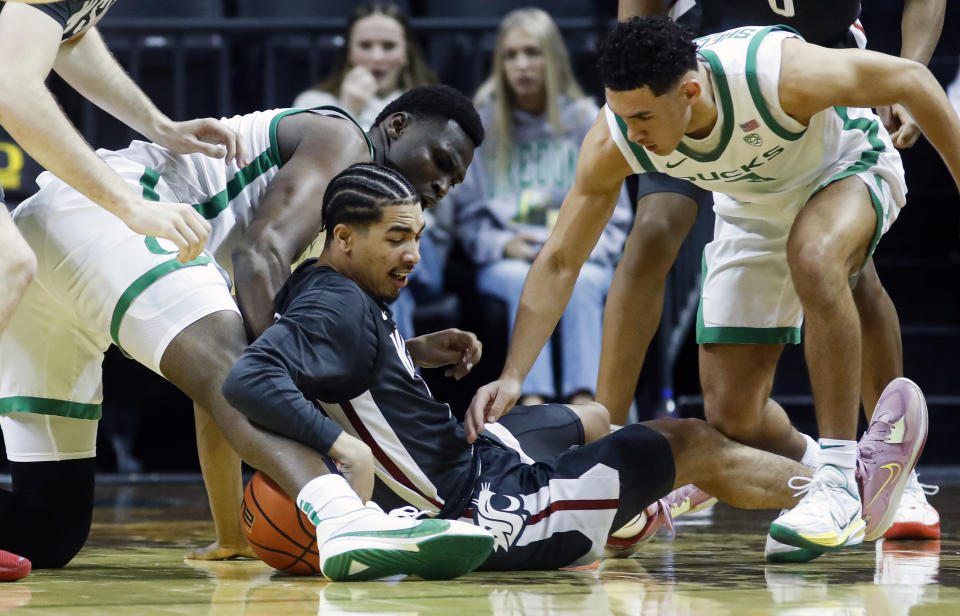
[812, 485]
[929, 489]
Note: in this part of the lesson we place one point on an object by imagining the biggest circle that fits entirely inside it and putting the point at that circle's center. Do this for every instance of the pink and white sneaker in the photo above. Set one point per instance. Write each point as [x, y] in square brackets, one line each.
[888, 451]
[631, 536]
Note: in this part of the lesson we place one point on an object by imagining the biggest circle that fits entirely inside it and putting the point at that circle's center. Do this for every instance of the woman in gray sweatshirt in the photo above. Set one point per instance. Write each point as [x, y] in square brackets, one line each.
[536, 117]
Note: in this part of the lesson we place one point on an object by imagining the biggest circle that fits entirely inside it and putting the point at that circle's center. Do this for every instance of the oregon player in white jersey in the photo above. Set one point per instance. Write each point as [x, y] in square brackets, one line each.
[98, 283]
[832, 210]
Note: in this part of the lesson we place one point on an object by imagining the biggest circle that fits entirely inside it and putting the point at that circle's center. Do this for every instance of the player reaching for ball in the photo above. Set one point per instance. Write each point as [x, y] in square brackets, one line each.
[333, 369]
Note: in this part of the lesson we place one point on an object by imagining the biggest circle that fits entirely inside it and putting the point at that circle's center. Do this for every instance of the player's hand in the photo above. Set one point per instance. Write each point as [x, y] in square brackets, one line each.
[903, 129]
[207, 136]
[454, 347]
[177, 222]
[489, 403]
[215, 551]
[356, 464]
[524, 246]
[359, 86]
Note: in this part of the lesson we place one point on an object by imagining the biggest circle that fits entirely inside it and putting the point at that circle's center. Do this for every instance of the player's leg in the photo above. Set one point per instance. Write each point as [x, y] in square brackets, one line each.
[830, 239]
[220, 465]
[882, 359]
[18, 266]
[736, 380]
[635, 299]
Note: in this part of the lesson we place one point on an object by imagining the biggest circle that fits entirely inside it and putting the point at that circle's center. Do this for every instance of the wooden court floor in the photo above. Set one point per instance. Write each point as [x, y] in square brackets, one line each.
[133, 564]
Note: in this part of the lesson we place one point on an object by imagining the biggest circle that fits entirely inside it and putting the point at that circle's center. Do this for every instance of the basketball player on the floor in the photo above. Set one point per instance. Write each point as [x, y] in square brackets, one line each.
[334, 345]
[99, 283]
[667, 208]
[62, 36]
[811, 184]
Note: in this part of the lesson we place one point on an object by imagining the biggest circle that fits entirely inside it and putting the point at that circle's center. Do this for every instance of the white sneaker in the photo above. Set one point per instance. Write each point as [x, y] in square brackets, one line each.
[915, 517]
[828, 517]
[368, 544]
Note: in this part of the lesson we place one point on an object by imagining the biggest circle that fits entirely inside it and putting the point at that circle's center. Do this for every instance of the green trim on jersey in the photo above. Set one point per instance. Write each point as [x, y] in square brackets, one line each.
[212, 207]
[726, 106]
[638, 152]
[869, 158]
[139, 286]
[740, 335]
[48, 406]
[754, 84]
[148, 181]
[275, 145]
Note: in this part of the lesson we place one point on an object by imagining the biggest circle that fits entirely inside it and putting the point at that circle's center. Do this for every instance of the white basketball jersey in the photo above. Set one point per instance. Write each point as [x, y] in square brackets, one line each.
[756, 153]
[226, 195]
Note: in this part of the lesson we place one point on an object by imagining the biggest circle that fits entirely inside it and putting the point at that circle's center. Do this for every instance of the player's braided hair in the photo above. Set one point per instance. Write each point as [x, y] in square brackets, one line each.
[646, 51]
[442, 102]
[358, 194]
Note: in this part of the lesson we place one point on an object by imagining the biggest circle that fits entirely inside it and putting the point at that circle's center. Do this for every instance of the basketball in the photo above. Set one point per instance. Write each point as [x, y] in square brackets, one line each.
[277, 531]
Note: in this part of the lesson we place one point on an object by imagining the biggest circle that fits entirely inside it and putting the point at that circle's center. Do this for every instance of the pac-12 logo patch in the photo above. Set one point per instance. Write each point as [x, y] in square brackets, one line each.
[753, 139]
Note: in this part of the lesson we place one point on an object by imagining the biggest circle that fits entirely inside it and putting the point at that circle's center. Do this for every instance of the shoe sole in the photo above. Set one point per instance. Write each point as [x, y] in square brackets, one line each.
[912, 530]
[787, 535]
[442, 556]
[799, 555]
[901, 482]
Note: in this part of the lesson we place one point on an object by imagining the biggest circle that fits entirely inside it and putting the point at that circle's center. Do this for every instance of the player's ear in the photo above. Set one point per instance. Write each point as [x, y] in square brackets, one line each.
[691, 90]
[397, 123]
[343, 237]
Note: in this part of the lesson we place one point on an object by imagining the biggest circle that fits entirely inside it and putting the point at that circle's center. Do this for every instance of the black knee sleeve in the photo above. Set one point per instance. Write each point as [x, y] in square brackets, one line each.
[47, 516]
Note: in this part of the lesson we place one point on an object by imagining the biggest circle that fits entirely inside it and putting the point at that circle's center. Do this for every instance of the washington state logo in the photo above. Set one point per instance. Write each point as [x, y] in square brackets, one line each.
[754, 140]
[503, 516]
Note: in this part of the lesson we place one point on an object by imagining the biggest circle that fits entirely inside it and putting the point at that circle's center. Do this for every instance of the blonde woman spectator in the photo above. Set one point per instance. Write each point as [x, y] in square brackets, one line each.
[535, 116]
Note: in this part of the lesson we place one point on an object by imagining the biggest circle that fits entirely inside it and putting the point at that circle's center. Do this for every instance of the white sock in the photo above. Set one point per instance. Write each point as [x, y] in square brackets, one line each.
[811, 455]
[843, 455]
[327, 496]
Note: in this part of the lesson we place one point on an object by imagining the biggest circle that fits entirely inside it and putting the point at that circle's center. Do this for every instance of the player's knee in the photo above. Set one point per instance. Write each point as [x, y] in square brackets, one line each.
[64, 545]
[595, 420]
[816, 268]
[730, 417]
[652, 245]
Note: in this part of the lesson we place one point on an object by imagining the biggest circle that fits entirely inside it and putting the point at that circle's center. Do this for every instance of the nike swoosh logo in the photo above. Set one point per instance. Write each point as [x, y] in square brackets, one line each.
[893, 471]
[896, 432]
[679, 162]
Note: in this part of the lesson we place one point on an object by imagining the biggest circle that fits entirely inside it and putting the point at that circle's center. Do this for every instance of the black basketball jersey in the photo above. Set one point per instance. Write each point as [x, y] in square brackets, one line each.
[823, 22]
[76, 16]
[344, 353]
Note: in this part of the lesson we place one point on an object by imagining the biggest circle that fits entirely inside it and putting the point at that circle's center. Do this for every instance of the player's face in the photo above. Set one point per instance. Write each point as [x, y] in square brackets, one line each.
[433, 155]
[377, 44]
[656, 123]
[524, 64]
[385, 252]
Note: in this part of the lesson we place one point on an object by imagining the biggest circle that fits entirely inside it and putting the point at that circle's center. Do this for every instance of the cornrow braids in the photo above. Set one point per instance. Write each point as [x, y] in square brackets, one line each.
[358, 194]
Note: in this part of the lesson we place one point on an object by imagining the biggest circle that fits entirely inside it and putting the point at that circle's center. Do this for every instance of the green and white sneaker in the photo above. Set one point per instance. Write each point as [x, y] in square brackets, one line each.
[828, 517]
[367, 544]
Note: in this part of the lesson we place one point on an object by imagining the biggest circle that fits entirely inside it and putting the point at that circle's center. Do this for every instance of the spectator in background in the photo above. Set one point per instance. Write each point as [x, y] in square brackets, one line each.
[535, 116]
[381, 60]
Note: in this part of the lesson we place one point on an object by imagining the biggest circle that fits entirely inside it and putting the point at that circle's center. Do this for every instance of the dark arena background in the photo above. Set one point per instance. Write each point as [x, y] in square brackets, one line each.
[199, 58]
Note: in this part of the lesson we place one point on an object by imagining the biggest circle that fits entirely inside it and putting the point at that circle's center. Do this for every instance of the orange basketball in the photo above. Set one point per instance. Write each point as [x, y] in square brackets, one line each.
[277, 531]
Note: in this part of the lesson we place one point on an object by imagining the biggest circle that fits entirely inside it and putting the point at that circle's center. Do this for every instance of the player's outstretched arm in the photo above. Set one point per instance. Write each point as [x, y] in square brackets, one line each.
[32, 117]
[585, 212]
[814, 78]
[89, 67]
[921, 26]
